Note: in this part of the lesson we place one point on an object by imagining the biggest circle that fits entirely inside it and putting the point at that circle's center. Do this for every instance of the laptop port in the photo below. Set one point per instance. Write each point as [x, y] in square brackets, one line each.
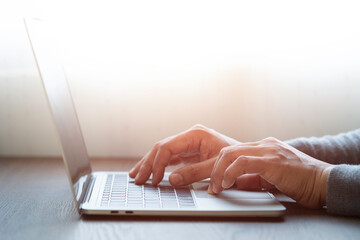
[114, 211]
[129, 212]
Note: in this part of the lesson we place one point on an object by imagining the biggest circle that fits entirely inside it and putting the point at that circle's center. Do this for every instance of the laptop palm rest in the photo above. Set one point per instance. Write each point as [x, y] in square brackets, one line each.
[233, 200]
[201, 191]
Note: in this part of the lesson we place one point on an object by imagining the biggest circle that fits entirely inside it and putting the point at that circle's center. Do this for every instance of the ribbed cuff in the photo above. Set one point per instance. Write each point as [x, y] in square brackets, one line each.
[343, 190]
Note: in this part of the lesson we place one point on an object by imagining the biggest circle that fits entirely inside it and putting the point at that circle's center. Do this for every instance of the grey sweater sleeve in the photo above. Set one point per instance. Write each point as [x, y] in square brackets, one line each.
[343, 188]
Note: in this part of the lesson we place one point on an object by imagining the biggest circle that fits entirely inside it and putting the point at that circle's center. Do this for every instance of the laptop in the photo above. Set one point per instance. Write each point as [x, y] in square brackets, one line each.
[114, 193]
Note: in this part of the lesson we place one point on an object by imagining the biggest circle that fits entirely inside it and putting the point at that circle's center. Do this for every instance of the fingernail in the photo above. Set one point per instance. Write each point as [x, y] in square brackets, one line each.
[176, 179]
[210, 190]
[214, 188]
[225, 185]
[217, 189]
[137, 179]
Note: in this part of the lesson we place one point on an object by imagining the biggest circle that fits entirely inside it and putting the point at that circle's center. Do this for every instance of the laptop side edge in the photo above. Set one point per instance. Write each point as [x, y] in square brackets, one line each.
[80, 181]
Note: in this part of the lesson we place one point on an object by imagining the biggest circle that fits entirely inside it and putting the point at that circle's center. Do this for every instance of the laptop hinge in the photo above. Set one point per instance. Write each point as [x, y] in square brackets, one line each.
[87, 189]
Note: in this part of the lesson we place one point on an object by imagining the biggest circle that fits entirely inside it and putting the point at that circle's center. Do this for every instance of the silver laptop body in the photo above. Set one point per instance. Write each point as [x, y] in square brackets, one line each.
[113, 192]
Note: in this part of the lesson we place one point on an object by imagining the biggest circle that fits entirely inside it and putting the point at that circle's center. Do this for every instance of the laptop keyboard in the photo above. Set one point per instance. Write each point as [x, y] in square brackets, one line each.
[120, 192]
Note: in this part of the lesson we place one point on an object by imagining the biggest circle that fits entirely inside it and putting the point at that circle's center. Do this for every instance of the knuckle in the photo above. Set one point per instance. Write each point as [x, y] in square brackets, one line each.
[198, 131]
[270, 140]
[157, 145]
[225, 151]
[162, 145]
[242, 160]
[198, 126]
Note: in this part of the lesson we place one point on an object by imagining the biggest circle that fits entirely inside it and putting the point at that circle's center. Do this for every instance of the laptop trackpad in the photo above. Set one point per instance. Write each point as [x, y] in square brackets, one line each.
[200, 190]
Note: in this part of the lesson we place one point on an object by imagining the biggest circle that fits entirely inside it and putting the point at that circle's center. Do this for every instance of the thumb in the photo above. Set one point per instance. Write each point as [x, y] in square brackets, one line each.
[192, 173]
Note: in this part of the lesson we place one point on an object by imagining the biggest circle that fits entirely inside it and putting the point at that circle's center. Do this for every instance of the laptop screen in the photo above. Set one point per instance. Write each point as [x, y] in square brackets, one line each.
[60, 102]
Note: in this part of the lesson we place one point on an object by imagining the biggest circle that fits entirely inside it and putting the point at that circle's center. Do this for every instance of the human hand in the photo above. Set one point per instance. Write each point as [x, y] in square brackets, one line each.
[272, 163]
[198, 144]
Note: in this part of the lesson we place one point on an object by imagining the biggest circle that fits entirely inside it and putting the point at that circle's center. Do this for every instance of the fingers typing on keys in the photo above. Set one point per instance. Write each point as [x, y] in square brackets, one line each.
[198, 140]
[192, 173]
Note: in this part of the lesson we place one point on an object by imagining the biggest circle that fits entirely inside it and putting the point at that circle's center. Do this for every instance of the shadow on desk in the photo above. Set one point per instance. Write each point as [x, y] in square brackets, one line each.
[180, 219]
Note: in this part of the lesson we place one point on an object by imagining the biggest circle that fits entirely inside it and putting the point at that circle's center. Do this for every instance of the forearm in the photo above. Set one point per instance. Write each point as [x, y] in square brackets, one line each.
[337, 149]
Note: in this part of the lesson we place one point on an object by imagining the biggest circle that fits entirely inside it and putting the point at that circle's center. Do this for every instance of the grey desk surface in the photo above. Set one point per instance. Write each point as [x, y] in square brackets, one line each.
[36, 203]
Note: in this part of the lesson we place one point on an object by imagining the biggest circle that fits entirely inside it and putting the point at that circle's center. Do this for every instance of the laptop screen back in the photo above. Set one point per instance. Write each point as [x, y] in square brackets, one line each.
[59, 98]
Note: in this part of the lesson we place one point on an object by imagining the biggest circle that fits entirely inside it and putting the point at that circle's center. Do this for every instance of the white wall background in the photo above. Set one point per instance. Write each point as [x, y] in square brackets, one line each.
[140, 71]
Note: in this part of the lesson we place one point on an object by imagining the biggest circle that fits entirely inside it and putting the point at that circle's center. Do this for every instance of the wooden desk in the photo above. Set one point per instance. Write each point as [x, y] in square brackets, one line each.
[36, 203]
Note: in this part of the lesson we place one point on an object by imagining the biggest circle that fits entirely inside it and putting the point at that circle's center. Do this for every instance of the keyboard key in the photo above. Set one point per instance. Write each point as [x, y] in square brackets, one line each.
[119, 192]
